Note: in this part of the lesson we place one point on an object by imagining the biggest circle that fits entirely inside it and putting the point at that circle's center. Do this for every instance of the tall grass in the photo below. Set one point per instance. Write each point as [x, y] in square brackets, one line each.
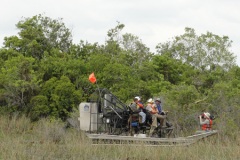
[20, 139]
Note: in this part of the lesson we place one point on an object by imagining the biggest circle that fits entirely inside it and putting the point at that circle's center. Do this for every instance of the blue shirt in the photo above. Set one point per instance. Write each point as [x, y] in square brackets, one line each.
[159, 107]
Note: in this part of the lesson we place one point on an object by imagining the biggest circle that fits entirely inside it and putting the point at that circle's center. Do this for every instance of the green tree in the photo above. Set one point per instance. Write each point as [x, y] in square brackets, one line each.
[56, 99]
[40, 108]
[208, 53]
[204, 52]
[173, 70]
[135, 48]
[18, 81]
[40, 34]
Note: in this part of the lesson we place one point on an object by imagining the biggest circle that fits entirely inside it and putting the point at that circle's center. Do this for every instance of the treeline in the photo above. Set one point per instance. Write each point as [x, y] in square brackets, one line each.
[44, 74]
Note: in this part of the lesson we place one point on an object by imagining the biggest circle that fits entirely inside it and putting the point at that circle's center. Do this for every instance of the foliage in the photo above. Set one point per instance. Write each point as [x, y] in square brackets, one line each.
[43, 74]
[57, 99]
[204, 52]
[18, 81]
[38, 35]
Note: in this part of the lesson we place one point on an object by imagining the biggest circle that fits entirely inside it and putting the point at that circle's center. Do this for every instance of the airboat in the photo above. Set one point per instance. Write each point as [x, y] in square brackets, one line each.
[108, 121]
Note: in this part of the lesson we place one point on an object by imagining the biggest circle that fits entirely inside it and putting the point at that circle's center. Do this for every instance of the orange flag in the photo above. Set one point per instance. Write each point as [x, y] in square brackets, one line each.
[92, 78]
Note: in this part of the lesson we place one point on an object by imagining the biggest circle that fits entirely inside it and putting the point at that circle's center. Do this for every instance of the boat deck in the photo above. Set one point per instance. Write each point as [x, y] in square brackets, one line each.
[105, 139]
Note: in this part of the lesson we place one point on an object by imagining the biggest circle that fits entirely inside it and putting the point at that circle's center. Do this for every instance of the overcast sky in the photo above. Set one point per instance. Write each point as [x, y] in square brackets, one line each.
[153, 21]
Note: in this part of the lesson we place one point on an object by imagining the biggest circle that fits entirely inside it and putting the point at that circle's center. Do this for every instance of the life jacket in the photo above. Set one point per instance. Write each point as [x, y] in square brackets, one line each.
[154, 110]
[207, 126]
[140, 105]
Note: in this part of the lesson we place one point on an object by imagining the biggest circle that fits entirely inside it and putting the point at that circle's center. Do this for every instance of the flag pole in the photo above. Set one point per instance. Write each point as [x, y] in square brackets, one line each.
[93, 79]
[98, 89]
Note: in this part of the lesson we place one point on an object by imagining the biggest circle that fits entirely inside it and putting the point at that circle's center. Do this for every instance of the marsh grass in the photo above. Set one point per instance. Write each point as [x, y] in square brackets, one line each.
[20, 139]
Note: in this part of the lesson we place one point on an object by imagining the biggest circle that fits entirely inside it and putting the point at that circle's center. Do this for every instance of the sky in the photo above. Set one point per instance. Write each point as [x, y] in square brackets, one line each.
[153, 21]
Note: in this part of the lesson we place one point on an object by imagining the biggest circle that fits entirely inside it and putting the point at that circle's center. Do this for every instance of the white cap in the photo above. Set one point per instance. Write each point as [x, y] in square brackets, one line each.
[138, 98]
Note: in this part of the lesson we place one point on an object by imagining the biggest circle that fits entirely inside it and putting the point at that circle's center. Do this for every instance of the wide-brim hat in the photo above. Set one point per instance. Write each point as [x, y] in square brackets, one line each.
[150, 100]
[207, 114]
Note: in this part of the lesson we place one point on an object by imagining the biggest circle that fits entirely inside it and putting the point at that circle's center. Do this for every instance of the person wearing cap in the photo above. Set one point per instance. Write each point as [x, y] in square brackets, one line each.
[205, 121]
[158, 104]
[137, 100]
[140, 107]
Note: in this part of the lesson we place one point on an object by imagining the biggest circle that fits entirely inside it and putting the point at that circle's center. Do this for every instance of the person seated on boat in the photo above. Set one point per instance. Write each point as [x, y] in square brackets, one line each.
[159, 107]
[137, 106]
[152, 108]
[133, 107]
[148, 114]
[161, 111]
[205, 121]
